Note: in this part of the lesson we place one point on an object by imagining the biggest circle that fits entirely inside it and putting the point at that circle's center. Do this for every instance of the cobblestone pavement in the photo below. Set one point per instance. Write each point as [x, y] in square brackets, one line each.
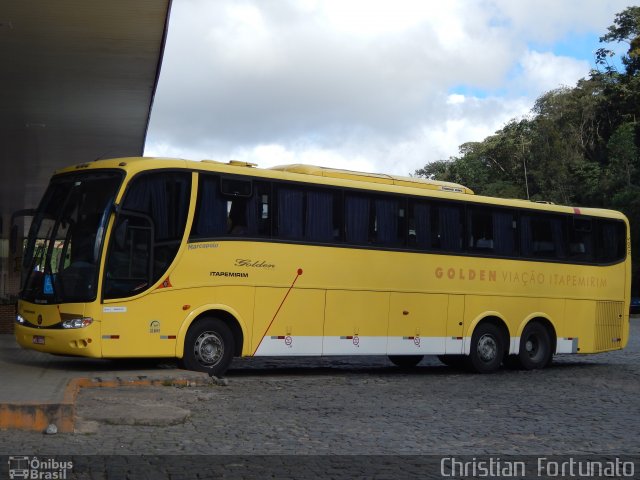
[364, 406]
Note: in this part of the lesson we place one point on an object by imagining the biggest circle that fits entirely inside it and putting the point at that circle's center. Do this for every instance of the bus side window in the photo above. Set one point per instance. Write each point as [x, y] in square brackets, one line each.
[319, 222]
[612, 240]
[419, 225]
[237, 223]
[504, 233]
[250, 216]
[308, 214]
[356, 218]
[338, 216]
[581, 239]
[290, 213]
[387, 218]
[211, 209]
[542, 236]
[446, 227]
[260, 213]
[238, 193]
[480, 228]
[231, 207]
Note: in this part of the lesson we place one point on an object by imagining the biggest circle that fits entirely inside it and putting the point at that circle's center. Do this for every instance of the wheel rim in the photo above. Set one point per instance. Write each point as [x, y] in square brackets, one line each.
[532, 347]
[487, 348]
[208, 349]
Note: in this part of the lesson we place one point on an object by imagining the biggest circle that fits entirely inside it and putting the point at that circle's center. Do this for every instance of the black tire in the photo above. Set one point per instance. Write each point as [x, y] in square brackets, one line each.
[454, 361]
[487, 349]
[208, 347]
[406, 361]
[535, 347]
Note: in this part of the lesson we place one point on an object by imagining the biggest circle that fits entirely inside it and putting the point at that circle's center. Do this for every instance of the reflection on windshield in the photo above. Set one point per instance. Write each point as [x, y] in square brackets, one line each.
[66, 236]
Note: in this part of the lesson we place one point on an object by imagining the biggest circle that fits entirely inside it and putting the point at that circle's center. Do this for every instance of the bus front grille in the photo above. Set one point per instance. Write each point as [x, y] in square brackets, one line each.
[609, 318]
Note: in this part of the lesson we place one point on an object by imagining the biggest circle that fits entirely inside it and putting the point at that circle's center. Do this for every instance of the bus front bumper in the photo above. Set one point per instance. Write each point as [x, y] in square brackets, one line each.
[83, 342]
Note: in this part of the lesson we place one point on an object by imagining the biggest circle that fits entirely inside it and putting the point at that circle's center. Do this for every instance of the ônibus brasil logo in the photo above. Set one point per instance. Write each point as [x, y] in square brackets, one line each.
[35, 468]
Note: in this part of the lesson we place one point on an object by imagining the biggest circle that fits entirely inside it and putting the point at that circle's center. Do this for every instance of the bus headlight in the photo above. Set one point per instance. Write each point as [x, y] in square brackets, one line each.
[20, 319]
[77, 322]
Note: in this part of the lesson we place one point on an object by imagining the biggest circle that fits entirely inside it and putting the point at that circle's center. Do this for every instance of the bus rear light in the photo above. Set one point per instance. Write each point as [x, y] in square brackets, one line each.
[77, 322]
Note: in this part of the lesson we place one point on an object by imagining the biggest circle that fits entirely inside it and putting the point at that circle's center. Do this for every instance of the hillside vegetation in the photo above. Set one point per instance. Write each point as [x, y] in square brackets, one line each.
[580, 146]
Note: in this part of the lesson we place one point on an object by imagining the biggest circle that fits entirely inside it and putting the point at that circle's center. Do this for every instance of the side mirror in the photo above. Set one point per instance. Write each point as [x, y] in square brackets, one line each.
[13, 234]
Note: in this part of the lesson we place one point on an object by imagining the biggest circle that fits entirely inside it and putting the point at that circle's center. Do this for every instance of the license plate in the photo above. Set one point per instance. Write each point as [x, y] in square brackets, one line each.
[38, 340]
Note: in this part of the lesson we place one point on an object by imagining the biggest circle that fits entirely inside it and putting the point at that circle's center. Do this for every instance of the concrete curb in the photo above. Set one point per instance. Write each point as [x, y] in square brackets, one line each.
[36, 416]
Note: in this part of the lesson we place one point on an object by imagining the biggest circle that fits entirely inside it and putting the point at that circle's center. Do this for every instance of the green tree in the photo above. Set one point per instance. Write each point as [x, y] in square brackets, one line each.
[622, 171]
[626, 29]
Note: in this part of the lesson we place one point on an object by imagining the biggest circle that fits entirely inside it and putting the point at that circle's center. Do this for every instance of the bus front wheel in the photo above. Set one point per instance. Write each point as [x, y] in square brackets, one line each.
[487, 348]
[208, 347]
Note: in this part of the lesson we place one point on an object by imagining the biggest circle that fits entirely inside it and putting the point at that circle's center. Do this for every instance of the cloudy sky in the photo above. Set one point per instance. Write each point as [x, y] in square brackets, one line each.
[373, 85]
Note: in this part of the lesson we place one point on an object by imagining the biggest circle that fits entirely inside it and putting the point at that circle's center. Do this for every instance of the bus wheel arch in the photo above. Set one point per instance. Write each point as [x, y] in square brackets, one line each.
[489, 344]
[220, 320]
[233, 324]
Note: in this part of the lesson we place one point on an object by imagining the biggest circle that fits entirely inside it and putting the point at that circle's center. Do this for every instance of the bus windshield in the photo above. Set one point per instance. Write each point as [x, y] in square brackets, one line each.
[65, 241]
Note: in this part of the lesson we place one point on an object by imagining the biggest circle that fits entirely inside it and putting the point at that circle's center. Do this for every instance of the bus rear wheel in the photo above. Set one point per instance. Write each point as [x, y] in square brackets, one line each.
[487, 349]
[208, 347]
[406, 361]
[535, 347]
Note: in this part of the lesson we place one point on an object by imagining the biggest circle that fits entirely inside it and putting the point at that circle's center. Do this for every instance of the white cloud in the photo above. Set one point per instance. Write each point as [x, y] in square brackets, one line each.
[545, 71]
[356, 84]
[548, 20]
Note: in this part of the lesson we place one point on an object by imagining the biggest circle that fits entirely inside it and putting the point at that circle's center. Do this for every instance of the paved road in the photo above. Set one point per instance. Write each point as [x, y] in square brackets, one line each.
[363, 406]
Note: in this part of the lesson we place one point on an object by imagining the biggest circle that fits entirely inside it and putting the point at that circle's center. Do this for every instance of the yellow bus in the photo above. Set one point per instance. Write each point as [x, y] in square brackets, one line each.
[206, 261]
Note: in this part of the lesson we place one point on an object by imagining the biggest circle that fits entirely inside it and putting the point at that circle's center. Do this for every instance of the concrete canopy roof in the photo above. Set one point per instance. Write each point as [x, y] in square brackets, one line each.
[77, 79]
